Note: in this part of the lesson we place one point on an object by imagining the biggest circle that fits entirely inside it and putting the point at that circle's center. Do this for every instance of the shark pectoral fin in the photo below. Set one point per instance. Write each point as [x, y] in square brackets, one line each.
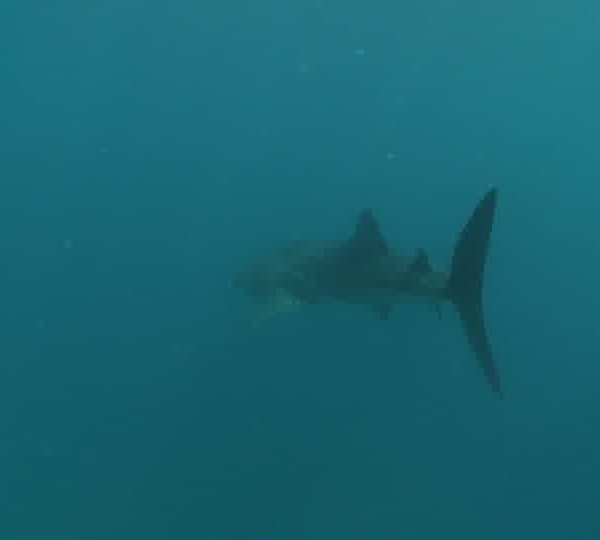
[383, 311]
[437, 307]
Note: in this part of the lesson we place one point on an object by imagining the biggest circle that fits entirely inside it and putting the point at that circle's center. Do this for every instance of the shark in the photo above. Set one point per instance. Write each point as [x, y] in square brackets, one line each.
[363, 269]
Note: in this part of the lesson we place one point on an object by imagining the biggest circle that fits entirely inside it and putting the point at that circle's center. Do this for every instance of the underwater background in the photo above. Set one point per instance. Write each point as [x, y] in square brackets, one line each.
[150, 149]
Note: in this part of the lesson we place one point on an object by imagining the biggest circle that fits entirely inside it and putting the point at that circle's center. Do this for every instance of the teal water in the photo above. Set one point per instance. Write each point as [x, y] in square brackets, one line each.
[148, 149]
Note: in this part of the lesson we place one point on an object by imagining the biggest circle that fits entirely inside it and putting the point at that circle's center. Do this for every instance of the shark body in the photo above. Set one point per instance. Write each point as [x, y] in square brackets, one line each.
[362, 269]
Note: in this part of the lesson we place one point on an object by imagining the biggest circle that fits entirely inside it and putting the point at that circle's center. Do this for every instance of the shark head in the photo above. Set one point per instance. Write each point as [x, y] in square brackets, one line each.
[279, 271]
[252, 281]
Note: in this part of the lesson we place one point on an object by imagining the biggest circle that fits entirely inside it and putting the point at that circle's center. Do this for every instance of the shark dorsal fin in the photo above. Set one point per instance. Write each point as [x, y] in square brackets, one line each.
[367, 240]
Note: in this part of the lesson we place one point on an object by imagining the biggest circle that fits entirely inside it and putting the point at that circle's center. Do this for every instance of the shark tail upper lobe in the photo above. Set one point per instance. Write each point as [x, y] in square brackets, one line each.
[465, 284]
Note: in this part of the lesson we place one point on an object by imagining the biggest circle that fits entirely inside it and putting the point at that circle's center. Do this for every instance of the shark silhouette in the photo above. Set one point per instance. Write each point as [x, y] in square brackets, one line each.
[362, 269]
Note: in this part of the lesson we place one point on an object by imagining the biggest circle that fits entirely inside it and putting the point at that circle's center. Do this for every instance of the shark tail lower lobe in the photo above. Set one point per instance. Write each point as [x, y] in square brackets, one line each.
[465, 284]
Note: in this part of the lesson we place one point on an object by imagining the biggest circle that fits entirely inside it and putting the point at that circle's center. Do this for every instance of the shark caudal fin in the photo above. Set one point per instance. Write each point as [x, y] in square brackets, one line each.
[465, 284]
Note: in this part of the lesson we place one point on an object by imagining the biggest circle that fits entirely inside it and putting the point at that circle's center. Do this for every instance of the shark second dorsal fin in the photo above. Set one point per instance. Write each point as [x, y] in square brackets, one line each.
[367, 240]
[420, 265]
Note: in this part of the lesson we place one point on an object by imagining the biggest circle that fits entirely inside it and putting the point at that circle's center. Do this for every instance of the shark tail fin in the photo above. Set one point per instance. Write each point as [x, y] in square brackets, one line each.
[465, 284]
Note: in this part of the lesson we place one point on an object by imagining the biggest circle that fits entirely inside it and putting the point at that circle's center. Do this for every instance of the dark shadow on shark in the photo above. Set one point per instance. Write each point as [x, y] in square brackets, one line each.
[364, 270]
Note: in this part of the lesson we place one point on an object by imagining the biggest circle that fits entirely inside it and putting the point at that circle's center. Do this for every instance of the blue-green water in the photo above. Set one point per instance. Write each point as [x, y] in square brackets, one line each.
[148, 149]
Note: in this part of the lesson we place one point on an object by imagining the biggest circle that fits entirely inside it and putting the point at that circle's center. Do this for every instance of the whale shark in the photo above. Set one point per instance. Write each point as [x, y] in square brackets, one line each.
[363, 269]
